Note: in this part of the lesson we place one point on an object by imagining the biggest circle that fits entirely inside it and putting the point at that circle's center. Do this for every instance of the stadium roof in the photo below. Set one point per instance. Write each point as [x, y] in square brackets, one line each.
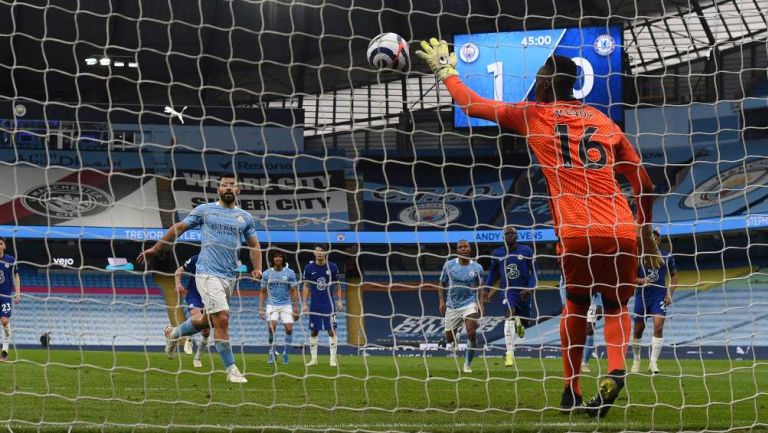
[239, 51]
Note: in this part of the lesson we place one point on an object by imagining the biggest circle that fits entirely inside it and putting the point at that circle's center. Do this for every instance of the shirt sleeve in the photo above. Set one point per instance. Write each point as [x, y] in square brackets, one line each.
[250, 229]
[532, 277]
[444, 279]
[480, 275]
[671, 265]
[334, 272]
[492, 272]
[292, 279]
[517, 116]
[195, 218]
[190, 264]
[628, 164]
[305, 276]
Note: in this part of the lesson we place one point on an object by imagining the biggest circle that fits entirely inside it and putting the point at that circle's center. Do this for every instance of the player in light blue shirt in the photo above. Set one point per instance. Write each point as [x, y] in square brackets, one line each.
[279, 287]
[462, 278]
[223, 227]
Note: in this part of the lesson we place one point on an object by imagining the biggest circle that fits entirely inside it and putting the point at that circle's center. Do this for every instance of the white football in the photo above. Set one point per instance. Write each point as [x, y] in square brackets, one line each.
[388, 51]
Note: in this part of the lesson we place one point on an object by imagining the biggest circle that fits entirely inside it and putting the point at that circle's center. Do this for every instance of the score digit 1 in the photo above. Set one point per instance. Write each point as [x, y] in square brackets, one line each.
[497, 69]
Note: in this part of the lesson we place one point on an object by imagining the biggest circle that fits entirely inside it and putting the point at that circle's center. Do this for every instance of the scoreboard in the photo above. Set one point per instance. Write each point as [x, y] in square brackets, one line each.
[502, 66]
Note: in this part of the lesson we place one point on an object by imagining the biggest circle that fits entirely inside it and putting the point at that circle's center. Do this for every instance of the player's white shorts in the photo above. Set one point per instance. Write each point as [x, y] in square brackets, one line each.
[283, 313]
[592, 313]
[454, 318]
[214, 291]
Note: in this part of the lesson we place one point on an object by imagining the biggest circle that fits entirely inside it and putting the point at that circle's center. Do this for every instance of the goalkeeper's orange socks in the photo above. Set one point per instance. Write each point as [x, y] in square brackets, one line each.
[617, 330]
[573, 334]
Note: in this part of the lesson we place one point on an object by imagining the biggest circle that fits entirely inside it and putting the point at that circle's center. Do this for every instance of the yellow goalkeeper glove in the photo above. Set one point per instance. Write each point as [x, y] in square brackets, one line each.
[439, 58]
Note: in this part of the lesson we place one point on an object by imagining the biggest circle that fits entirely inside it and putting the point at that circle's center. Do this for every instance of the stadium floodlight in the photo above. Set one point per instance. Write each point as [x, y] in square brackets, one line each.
[105, 61]
[119, 63]
[133, 64]
[90, 61]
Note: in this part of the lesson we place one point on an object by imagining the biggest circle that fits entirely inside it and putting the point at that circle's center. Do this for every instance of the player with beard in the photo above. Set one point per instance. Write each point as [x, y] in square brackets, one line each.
[513, 264]
[223, 226]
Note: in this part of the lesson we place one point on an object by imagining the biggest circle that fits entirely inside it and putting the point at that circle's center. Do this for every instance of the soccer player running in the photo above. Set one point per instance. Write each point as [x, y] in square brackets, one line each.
[651, 300]
[579, 150]
[279, 288]
[10, 294]
[320, 276]
[513, 264]
[194, 303]
[462, 278]
[223, 226]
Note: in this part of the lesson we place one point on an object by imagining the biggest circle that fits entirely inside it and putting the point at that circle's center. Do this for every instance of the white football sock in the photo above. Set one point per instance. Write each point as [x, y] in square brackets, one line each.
[509, 334]
[6, 336]
[333, 345]
[656, 348]
[636, 348]
[313, 347]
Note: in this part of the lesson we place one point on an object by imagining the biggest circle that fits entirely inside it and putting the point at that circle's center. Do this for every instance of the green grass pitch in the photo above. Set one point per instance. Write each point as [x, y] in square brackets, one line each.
[136, 391]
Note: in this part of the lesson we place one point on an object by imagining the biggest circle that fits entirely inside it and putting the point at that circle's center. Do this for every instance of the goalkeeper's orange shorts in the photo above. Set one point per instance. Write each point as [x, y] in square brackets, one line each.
[599, 265]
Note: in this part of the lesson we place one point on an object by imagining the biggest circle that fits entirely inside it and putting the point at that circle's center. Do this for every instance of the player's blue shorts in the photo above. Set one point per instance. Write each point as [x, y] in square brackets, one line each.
[6, 303]
[513, 299]
[322, 321]
[194, 300]
[649, 306]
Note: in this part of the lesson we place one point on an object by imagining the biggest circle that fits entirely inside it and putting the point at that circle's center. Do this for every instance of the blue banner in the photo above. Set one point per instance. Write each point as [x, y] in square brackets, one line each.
[710, 225]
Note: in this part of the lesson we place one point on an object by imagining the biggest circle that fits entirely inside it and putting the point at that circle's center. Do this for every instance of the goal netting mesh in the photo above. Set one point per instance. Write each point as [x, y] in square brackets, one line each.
[117, 118]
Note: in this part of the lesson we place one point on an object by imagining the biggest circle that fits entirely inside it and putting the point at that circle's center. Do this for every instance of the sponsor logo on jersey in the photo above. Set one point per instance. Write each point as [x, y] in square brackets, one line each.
[734, 183]
[512, 271]
[66, 200]
[429, 213]
[321, 284]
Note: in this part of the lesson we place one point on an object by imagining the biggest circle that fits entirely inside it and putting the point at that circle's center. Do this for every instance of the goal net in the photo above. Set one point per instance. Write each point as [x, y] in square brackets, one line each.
[117, 119]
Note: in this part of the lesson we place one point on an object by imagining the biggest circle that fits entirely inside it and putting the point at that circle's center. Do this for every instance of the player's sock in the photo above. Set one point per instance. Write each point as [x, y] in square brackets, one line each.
[637, 348]
[573, 333]
[6, 337]
[656, 348]
[509, 334]
[589, 348]
[288, 342]
[225, 352]
[470, 352]
[183, 330]
[617, 330]
[313, 347]
[271, 343]
[333, 344]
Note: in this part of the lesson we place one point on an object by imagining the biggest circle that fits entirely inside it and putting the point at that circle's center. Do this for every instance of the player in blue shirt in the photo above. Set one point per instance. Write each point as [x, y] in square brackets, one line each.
[10, 294]
[513, 264]
[651, 300]
[279, 288]
[194, 303]
[462, 279]
[223, 226]
[319, 276]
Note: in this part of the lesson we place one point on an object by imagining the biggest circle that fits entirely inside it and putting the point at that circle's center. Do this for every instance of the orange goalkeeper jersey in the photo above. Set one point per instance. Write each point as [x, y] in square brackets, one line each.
[580, 150]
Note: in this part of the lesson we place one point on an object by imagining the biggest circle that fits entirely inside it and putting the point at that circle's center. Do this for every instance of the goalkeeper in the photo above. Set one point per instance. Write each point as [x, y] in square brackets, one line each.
[580, 151]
